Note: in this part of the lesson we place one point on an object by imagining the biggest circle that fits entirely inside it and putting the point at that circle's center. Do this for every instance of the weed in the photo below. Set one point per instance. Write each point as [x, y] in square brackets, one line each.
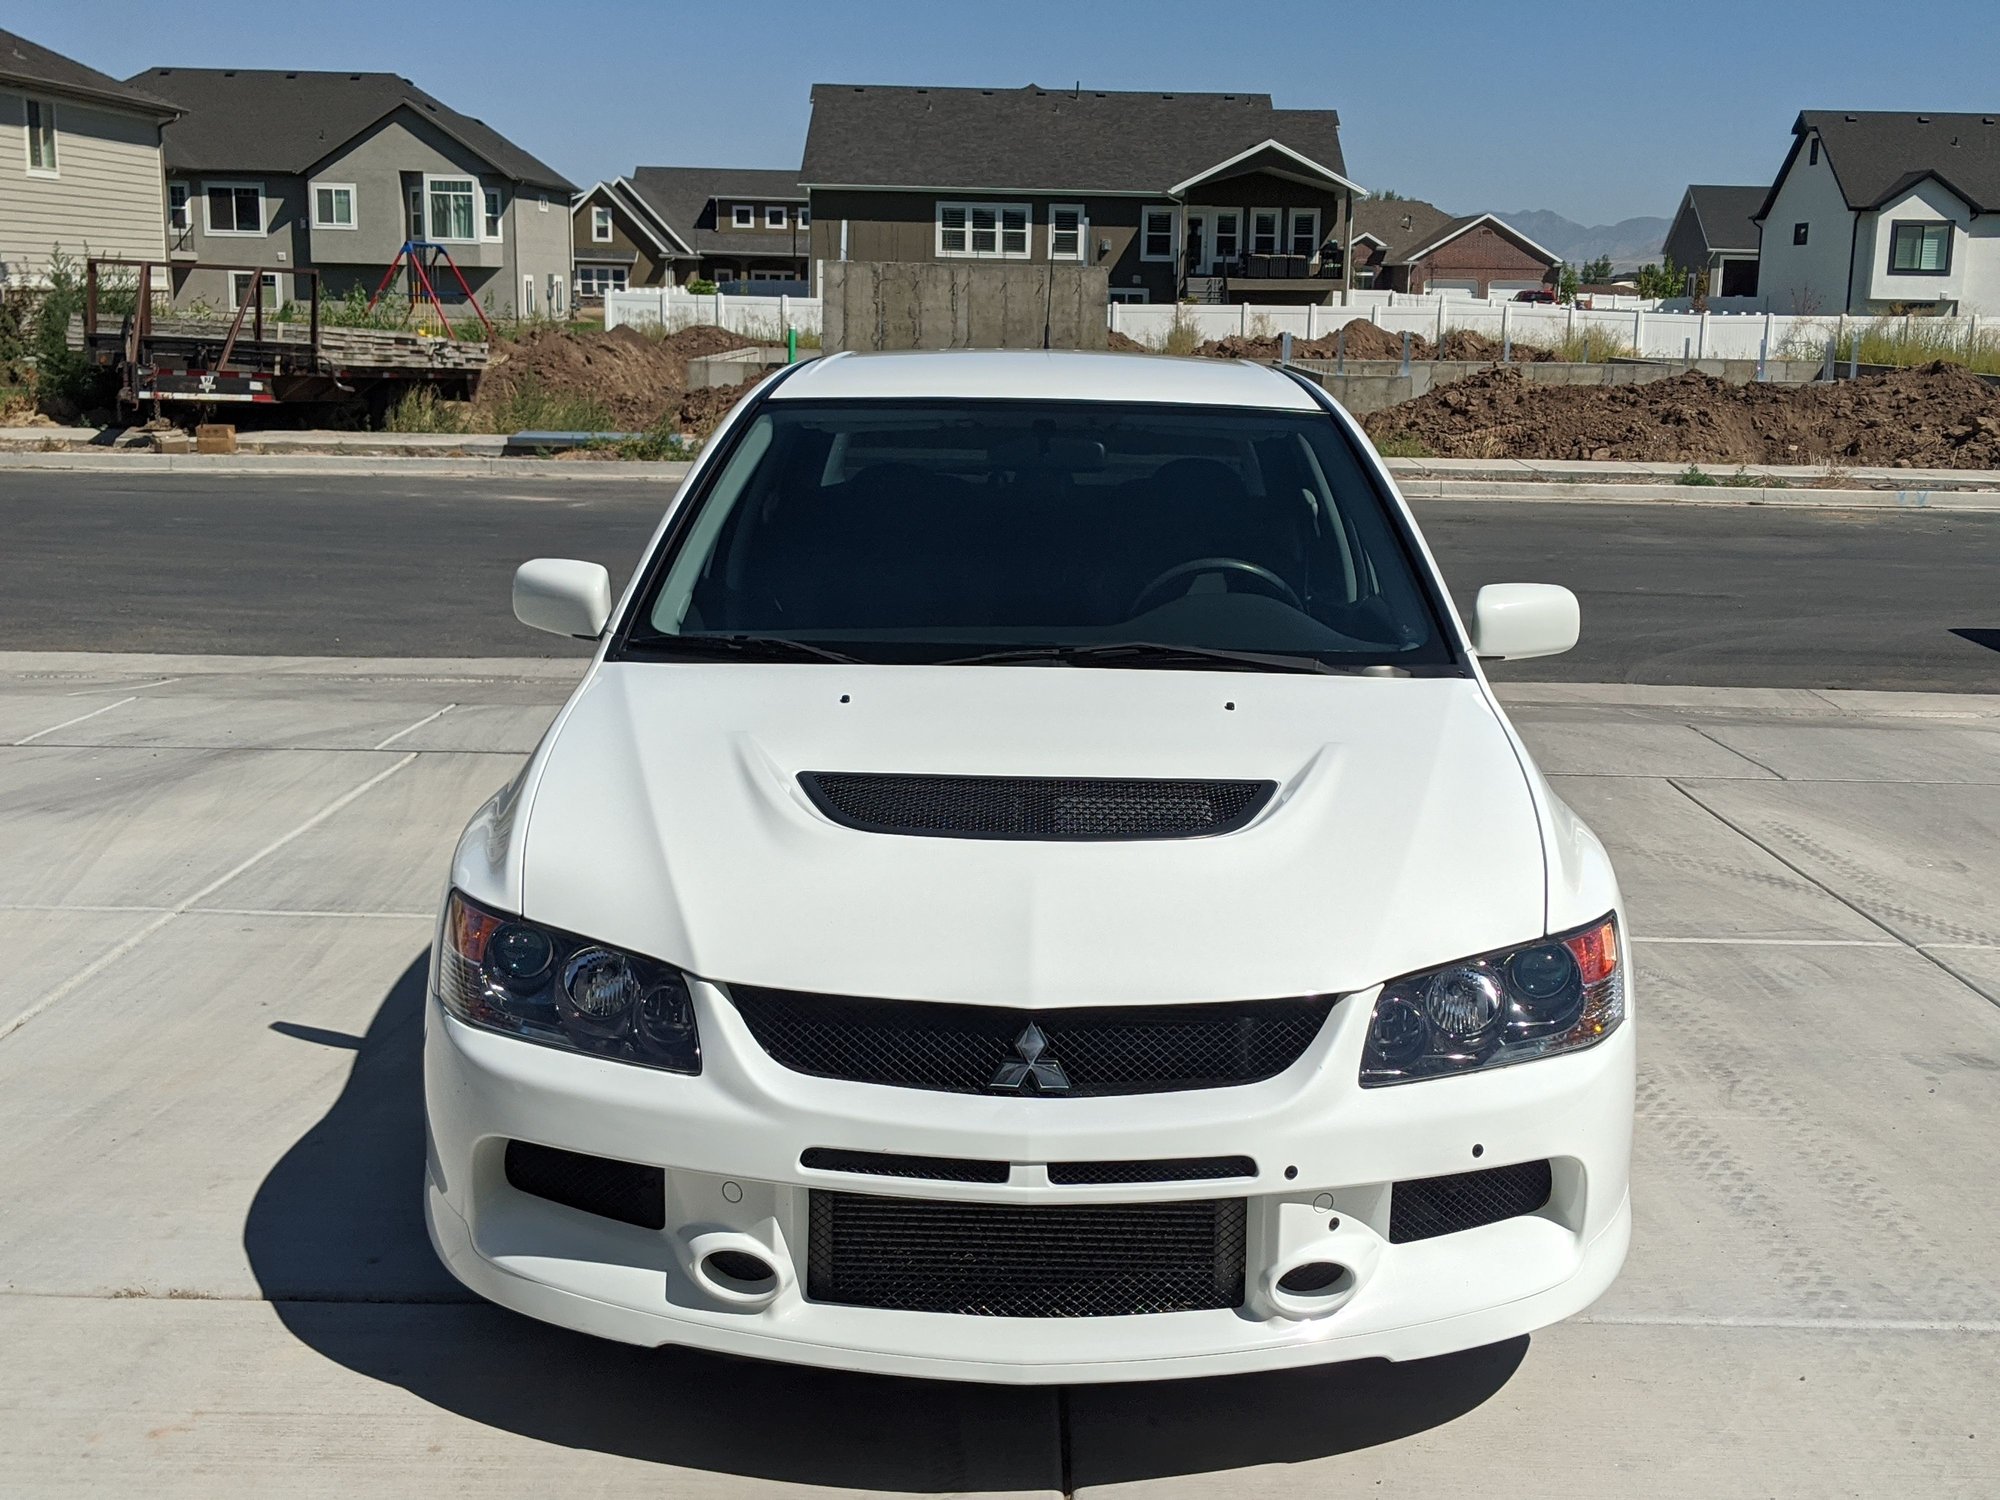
[1182, 336]
[1693, 475]
[1590, 345]
[1402, 445]
[420, 410]
[661, 443]
[529, 406]
[1919, 341]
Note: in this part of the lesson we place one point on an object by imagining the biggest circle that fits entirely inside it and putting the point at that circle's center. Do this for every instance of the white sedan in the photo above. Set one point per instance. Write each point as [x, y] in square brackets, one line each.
[1034, 886]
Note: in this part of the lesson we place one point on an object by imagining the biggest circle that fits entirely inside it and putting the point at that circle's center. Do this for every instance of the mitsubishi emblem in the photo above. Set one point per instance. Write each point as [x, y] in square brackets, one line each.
[1029, 1066]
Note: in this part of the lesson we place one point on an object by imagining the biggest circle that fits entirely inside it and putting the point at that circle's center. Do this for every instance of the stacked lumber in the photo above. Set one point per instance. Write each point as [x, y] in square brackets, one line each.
[340, 348]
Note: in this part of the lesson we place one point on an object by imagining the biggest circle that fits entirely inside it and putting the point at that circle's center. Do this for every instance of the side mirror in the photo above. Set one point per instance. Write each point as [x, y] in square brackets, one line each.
[1515, 620]
[564, 596]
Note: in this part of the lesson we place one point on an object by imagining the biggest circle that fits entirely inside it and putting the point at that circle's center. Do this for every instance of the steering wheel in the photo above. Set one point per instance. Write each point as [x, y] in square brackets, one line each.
[1271, 583]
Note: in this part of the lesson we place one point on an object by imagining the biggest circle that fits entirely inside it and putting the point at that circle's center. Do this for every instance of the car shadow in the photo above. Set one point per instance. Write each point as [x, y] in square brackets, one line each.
[336, 1239]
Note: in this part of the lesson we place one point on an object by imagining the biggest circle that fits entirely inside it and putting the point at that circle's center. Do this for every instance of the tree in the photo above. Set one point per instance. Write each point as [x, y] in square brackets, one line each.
[1662, 281]
[1596, 272]
[1385, 195]
[1567, 282]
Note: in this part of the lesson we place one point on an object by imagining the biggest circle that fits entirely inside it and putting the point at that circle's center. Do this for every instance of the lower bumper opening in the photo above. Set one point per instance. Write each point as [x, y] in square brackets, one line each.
[1025, 1261]
[1426, 1207]
[620, 1190]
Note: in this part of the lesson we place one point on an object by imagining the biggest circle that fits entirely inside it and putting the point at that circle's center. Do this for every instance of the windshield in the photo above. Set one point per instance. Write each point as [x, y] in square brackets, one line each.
[953, 530]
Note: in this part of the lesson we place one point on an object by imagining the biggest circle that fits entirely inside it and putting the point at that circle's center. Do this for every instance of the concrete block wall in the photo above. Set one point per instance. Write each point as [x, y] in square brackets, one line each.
[873, 305]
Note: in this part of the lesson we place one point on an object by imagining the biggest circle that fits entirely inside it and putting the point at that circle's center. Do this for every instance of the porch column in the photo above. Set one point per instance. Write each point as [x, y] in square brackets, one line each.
[1347, 252]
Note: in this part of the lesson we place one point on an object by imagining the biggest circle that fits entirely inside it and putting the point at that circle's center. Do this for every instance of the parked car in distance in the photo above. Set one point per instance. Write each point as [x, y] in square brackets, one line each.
[1535, 294]
[1034, 886]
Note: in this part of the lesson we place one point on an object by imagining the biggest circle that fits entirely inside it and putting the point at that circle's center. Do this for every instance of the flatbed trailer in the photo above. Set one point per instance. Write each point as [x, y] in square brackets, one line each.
[250, 357]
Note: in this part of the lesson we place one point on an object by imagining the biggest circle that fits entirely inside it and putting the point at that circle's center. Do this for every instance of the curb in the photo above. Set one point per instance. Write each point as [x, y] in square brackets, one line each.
[300, 465]
[1515, 492]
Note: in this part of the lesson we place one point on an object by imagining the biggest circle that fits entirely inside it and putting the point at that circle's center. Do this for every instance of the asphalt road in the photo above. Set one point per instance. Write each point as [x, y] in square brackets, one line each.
[1719, 596]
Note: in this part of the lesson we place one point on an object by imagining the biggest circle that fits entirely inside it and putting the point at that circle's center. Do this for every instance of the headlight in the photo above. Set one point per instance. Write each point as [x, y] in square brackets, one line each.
[1558, 994]
[553, 987]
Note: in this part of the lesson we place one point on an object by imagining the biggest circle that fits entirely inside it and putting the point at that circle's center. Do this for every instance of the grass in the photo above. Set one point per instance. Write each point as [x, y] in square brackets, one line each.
[1919, 341]
[1182, 336]
[1742, 479]
[526, 407]
[1589, 345]
[421, 411]
[1402, 445]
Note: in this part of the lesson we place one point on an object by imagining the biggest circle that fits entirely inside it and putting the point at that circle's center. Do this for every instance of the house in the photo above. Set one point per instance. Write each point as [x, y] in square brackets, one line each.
[743, 228]
[1715, 232]
[79, 163]
[1884, 212]
[1408, 245]
[335, 172]
[1219, 197]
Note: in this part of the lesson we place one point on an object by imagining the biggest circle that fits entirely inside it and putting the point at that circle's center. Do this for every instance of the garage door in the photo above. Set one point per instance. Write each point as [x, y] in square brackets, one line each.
[1455, 288]
[1506, 289]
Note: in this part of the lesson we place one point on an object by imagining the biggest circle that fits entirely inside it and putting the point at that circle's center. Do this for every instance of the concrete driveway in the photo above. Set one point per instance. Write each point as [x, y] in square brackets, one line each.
[214, 1280]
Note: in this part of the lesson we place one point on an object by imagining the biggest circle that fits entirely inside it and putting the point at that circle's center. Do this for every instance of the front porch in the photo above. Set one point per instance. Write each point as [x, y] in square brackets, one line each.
[1267, 225]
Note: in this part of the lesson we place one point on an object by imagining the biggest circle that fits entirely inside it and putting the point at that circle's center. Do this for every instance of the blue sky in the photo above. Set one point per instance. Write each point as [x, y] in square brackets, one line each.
[1598, 112]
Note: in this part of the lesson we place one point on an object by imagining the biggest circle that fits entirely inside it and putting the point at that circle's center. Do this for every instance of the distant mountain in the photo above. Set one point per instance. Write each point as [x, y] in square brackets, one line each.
[1629, 242]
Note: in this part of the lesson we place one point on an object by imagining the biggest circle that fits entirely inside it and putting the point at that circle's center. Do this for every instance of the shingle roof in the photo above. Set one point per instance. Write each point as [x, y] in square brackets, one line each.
[1726, 215]
[683, 198]
[267, 120]
[1402, 224]
[24, 62]
[1877, 154]
[1058, 140]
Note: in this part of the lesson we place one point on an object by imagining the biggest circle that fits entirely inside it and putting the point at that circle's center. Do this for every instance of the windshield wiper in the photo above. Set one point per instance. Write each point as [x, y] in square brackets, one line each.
[738, 648]
[1152, 654]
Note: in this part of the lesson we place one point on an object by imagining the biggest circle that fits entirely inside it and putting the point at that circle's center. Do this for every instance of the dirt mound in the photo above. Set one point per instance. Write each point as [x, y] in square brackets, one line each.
[633, 376]
[1363, 340]
[1463, 343]
[1935, 416]
[1123, 343]
[701, 411]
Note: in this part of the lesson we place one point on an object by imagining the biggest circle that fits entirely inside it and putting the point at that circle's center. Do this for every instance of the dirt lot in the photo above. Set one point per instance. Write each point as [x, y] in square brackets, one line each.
[637, 378]
[1933, 416]
[1360, 339]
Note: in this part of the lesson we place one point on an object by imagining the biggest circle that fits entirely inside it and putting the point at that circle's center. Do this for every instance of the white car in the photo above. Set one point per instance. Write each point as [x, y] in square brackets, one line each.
[1034, 886]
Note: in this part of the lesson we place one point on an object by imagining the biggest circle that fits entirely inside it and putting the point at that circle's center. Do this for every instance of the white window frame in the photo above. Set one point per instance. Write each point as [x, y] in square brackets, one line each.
[742, 216]
[1298, 216]
[1216, 216]
[314, 189]
[770, 273]
[775, 216]
[492, 214]
[1082, 232]
[187, 207]
[723, 275]
[999, 229]
[1129, 294]
[595, 278]
[600, 224]
[1277, 245]
[805, 216]
[1146, 232]
[234, 186]
[430, 208]
[419, 214]
[30, 107]
[273, 277]
[527, 307]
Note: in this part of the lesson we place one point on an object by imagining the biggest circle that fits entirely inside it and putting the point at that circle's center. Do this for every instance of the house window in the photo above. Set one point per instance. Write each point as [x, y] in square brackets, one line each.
[774, 216]
[1919, 248]
[1156, 234]
[177, 207]
[983, 230]
[1812, 153]
[600, 229]
[1128, 294]
[234, 207]
[491, 228]
[451, 207]
[805, 217]
[1066, 231]
[743, 216]
[1264, 231]
[1305, 231]
[595, 281]
[416, 213]
[772, 273]
[722, 275]
[239, 288]
[1227, 228]
[333, 205]
[1799, 233]
[41, 120]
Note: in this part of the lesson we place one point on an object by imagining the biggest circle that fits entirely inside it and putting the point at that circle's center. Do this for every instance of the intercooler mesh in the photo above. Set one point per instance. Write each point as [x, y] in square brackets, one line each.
[1034, 807]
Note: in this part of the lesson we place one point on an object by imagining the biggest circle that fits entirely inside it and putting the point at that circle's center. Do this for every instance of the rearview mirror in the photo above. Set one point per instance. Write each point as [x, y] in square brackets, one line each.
[564, 596]
[1511, 621]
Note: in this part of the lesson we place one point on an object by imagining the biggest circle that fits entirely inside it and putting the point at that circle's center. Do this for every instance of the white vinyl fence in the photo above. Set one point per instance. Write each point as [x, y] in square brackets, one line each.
[1641, 327]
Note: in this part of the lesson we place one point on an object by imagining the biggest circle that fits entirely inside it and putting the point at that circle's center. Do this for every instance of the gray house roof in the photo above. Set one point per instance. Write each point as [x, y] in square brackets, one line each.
[34, 68]
[267, 120]
[1409, 228]
[1049, 140]
[684, 199]
[1877, 154]
[1725, 217]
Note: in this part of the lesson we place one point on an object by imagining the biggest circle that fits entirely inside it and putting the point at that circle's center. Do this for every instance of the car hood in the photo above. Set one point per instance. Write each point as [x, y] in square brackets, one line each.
[667, 818]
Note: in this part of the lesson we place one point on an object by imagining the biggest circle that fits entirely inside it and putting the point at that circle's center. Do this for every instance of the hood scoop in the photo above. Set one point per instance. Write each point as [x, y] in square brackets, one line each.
[1048, 808]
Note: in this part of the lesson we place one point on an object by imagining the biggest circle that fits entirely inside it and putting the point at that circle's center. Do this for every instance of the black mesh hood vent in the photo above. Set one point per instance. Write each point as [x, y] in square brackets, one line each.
[1034, 807]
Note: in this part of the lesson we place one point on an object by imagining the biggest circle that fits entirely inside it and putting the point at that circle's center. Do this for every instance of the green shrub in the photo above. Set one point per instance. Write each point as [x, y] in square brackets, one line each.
[1402, 445]
[420, 410]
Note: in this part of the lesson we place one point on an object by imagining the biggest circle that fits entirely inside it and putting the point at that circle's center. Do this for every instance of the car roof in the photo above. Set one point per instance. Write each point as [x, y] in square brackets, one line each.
[1044, 375]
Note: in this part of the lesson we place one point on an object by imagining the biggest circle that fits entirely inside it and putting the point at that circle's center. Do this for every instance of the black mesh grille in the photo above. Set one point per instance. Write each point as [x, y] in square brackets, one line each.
[620, 1190]
[1034, 807]
[891, 1164]
[1430, 1206]
[1027, 1261]
[1178, 1169]
[971, 1049]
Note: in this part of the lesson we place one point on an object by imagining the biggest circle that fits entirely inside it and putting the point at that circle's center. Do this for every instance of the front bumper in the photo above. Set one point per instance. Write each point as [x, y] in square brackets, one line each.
[1326, 1150]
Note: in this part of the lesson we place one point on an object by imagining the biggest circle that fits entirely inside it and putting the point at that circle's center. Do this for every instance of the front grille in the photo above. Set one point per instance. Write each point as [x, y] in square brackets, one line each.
[620, 1190]
[973, 1049]
[893, 1164]
[1176, 1169]
[1427, 1207]
[1027, 1261]
[1034, 807]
